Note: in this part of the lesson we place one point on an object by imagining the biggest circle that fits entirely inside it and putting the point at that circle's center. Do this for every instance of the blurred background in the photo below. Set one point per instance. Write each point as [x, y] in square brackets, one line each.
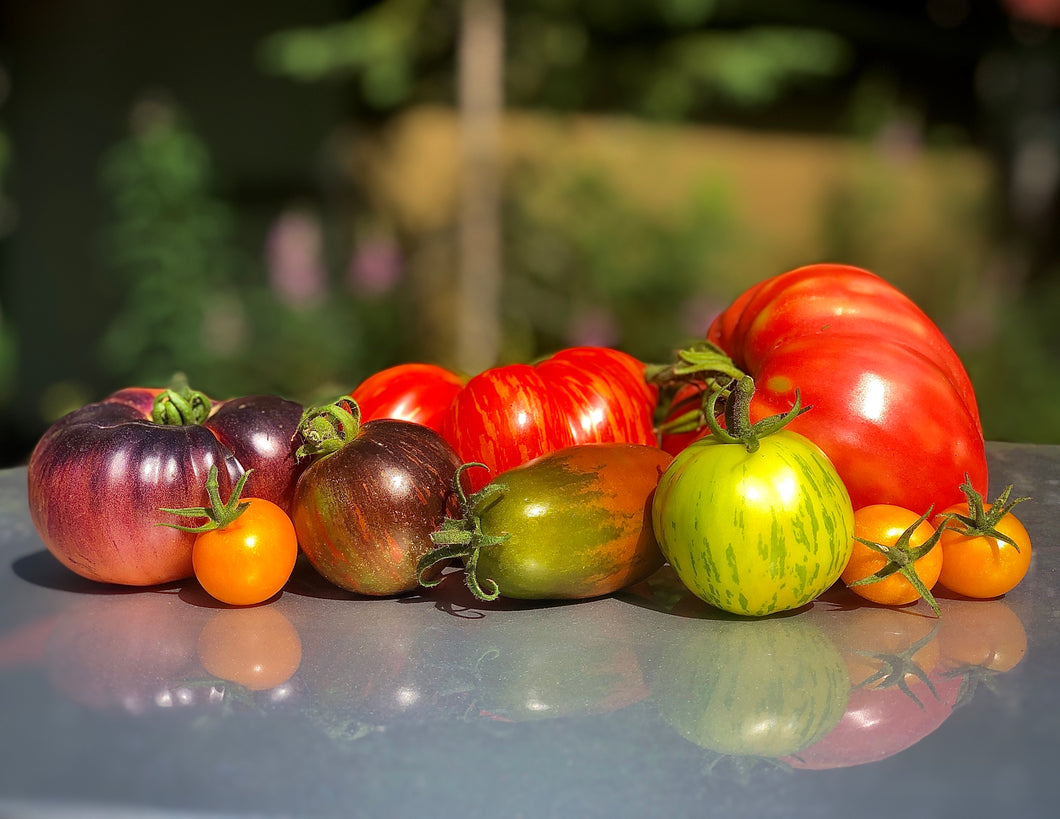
[285, 197]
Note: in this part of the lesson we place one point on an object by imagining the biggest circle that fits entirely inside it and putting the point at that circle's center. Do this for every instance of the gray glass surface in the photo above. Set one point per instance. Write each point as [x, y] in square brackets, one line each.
[118, 702]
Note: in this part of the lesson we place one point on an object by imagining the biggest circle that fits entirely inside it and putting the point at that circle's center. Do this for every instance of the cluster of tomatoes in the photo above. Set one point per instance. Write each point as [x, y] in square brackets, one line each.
[552, 480]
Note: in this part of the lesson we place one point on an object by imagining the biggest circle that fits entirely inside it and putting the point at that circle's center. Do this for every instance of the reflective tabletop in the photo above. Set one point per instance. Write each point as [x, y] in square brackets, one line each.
[124, 702]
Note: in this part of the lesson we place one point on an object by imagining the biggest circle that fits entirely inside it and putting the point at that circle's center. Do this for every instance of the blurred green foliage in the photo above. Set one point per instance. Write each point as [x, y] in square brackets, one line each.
[195, 299]
[325, 287]
[584, 265]
[646, 58]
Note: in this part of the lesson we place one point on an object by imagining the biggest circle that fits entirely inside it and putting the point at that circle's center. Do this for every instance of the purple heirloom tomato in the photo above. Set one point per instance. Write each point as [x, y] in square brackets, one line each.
[100, 476]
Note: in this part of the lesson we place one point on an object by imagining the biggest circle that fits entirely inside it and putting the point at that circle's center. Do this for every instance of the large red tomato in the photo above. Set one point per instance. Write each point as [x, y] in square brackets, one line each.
[892, 405]
[508, 415]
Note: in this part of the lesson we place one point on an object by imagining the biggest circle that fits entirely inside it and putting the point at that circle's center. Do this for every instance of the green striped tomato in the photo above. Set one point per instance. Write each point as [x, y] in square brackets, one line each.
[754, 533]
[572, 524]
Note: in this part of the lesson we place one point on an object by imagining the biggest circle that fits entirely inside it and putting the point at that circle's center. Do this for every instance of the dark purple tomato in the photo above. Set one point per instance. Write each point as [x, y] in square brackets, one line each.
[259, 431]
[99, 477]
[365, 509]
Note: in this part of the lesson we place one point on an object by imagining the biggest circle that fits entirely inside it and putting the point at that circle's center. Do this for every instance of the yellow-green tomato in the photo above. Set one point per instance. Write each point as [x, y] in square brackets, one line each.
[754, 533]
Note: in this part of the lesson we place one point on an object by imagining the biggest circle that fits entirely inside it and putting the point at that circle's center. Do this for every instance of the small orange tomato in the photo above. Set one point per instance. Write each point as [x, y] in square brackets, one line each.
[986, 550]
[895, 559]
[250, 559]
[245, 551]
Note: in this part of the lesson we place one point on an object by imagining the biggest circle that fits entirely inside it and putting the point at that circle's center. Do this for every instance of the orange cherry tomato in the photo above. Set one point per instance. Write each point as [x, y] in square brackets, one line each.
[904, 538]
[986, 550]
[250, 559]
[246, 550]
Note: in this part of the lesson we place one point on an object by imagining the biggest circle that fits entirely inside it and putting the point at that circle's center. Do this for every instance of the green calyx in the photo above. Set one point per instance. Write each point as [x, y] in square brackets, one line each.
[180, 405]
[901, 558]
[219, 514]
[326, 429]
[704, 363]
[463, 538]
[738, 427]
[982, 522]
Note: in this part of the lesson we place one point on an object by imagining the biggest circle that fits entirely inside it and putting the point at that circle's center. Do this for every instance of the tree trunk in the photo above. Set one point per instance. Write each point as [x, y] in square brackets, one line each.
[481, 100]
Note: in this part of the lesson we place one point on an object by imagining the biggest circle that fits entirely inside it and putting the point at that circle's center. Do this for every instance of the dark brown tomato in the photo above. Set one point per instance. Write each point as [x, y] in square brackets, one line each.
[364, 513]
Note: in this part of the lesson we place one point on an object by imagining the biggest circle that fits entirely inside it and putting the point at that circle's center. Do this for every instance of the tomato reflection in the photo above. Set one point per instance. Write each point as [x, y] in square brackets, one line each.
[256, 647]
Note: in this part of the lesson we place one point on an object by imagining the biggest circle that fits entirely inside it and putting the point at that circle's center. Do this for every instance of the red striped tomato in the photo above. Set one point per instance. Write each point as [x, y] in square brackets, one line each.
[509, 415]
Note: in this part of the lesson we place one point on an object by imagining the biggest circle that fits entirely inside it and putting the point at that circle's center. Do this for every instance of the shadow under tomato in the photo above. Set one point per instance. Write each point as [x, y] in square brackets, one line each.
[44, 570]
[664, 592]
[453, 597]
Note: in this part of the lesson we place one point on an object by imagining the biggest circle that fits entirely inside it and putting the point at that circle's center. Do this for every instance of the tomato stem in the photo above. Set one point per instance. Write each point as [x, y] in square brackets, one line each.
[328, 428]
[703, 364]
[462, 537]
[902, 558]
[219, 514]
[738, 427]
[703, 361]
[982, 522]
[180, 405]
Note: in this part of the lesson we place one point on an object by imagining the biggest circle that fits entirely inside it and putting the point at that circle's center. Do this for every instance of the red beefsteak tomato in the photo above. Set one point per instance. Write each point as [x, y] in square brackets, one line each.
[893, 407]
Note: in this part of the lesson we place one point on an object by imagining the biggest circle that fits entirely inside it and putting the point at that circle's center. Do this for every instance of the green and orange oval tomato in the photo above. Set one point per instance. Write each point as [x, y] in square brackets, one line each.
[754, 532]
[572, 524]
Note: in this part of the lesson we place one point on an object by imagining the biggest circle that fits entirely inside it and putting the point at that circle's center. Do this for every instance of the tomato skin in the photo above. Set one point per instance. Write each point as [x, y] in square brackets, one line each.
[364, 513]
[754, 533]
[578, 521]
[624, 371]
[99, 476]
[505, 417]
[876, 416]
[509, 415]
[250, 559]
[983, 566]
[890, 396]
[415, 392]
[885, 523]
[598, 408]
[259, 432]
